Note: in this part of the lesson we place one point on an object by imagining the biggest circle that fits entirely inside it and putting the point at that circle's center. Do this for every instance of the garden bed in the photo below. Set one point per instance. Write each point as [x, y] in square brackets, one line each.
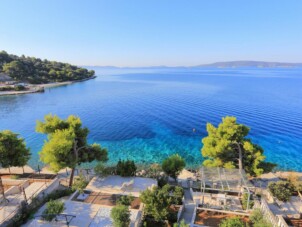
[109, 199]
[214, 218]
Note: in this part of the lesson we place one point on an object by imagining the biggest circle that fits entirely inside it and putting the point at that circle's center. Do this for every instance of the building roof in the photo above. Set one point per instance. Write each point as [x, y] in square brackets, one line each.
[5, 78]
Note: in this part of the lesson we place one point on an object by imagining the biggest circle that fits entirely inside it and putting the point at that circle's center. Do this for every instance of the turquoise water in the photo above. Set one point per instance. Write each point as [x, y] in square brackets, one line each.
[147, 115]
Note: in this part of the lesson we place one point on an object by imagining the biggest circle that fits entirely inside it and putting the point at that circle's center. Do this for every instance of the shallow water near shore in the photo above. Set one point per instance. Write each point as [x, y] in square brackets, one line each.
[147, 115]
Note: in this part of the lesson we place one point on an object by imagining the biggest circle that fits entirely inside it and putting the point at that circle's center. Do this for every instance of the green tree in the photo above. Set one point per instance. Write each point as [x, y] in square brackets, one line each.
[173, 165]
[53, 208]
[232, 222]
[126, 168]
[67, 144]
[120, 215]
[158, 201]
[13, 150]
[228, 146]
[15, 69]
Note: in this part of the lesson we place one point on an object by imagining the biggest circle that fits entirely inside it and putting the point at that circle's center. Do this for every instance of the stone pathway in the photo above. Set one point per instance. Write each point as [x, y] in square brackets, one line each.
[189, 207]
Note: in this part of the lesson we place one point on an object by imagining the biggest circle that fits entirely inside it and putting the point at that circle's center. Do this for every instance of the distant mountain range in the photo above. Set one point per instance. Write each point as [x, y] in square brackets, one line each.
[259, 64]
[227, 64]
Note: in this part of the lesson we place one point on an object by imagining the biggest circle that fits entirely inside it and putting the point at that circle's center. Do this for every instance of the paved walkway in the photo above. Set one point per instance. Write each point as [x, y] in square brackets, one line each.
[189, 207]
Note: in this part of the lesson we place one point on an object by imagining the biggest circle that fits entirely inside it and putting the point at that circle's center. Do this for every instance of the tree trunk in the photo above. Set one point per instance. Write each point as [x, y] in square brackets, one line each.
[23, 169]
[9, 170]
[240, 156]
[71, 177]
[2, 189]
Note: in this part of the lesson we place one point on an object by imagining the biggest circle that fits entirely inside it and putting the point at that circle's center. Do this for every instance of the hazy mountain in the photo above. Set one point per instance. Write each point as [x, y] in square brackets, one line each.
[259, 64]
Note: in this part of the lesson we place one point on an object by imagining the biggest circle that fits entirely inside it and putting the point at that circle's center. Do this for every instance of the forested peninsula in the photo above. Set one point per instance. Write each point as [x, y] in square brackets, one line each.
[37, 71]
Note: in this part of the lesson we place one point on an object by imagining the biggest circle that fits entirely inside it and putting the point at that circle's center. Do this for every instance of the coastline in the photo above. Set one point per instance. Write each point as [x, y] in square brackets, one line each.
[37, 88]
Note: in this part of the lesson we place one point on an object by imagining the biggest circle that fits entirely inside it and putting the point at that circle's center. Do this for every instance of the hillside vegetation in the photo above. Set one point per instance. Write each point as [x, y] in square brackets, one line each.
[36, 71]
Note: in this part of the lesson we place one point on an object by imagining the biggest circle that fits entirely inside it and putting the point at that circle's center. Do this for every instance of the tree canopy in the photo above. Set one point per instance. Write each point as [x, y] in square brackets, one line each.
[158, 200]
[223, 144]
[67, 143]
[173, 165]
[37, 71]
[13, 150]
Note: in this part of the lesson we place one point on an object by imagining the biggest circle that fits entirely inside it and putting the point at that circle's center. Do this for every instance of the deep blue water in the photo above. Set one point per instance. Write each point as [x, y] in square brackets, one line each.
[149, 115]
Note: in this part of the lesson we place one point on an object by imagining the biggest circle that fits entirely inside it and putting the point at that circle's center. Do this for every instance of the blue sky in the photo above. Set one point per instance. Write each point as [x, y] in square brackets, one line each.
[157, 32]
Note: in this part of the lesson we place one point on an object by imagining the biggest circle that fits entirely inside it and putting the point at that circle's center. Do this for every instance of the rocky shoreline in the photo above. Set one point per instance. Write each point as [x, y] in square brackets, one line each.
[37, 88]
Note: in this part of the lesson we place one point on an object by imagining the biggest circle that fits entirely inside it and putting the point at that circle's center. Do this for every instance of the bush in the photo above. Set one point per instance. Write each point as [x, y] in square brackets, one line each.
[20, 88]
[257, 219]
[103, 171]
[232, 222]
[282, 190]
[120, 215]
[53, 208]
[181, 224]
[245, 199]
[29, 211]
[80, 184]
[126, 168]
[161, 182]
[173, 165]
[294, 180]
[125, 200]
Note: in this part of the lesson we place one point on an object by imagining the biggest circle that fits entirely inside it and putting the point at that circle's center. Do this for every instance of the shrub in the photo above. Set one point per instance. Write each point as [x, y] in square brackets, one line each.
[162, 182]
[101, 170]
[294, 180]
[125, 200]
[245, 199]
[126, 168]
[120, 215]
[173, 165]
[232, 222]
[282, 190]
[257, 219]
[53, 208]
[80, 184]
[181, 224]
[19, 88]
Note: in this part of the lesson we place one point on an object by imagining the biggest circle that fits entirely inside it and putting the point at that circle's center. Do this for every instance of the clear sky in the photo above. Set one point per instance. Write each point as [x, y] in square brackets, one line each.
[152, 32]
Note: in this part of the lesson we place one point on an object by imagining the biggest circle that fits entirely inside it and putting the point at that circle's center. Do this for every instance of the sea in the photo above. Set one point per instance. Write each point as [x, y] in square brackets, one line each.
[148, 114]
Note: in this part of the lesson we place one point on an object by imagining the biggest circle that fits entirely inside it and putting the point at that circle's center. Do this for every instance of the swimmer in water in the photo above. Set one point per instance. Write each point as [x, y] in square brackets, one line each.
[194, 129]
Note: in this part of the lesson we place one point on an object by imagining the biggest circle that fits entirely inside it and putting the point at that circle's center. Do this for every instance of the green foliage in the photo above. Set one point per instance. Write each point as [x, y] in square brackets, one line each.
[65, 137]
[282, 190]
[13, 88]
[126, 168]
[162, 182]
[158, 200]
[294, 180]
[80, 184]
[13, 151]
[232, 222]
[220, 148]
[181, 224]
[101, 170]
[120, 215]
[28, 213]
[53, 208]
[125, 200]
[173, 165]
[257, 219]
[36, 71]
[245, 199]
